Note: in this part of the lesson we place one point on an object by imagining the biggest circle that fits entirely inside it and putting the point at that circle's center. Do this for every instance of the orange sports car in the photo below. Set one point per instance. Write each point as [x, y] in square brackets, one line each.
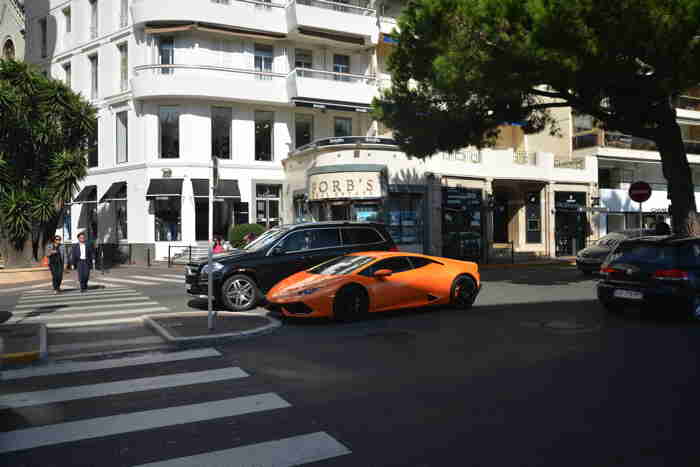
[348, 286]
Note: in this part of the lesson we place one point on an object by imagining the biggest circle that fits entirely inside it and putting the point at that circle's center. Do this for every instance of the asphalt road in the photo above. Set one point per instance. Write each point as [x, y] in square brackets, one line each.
[536, 374]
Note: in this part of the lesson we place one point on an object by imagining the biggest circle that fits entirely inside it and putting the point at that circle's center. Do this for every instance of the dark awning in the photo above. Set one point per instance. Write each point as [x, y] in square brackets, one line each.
[331, 105]
[87, 195]
[164, 187]
[226, 188]
[114, 192]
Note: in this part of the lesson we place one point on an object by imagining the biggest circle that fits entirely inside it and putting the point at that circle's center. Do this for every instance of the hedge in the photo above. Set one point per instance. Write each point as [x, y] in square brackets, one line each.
[238, 232]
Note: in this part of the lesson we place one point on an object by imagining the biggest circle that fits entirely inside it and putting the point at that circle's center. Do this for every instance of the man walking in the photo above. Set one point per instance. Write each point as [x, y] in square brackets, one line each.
[81, 258]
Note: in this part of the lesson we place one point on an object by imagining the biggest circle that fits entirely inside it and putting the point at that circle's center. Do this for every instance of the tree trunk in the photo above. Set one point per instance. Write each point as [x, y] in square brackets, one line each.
[14, 258]
[676, 170]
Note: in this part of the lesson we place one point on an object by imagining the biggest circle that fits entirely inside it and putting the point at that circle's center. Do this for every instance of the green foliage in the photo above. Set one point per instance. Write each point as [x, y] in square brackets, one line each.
[462, 68]
[45, 129]
[238, 232]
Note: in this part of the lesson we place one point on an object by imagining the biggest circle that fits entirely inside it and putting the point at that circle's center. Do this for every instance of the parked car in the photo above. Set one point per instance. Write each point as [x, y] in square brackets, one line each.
[350, 286]
[589, 260]
[240, 278]
[656, 274]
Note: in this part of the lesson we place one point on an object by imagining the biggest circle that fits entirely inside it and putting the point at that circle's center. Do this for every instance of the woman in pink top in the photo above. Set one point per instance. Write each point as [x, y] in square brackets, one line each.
[218, 247]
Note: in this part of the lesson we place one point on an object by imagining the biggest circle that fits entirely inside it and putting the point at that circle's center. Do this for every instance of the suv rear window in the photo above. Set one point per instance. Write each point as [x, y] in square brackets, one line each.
[360, 236]
[644, 253]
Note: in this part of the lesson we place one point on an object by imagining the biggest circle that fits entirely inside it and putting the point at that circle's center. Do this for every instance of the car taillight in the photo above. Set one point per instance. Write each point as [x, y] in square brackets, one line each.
[394, 248]
[671, 275]
[607, 271]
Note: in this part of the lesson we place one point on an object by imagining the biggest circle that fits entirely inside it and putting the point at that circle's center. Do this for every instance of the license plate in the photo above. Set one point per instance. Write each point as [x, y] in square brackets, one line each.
[628, 294]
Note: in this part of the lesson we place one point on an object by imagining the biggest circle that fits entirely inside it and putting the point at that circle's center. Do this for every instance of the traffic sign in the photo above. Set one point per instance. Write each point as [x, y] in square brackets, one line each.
[640, 191]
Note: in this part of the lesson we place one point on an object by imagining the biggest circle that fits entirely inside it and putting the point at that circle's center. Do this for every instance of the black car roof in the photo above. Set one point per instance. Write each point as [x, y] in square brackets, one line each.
[331, 224]
[663, 239]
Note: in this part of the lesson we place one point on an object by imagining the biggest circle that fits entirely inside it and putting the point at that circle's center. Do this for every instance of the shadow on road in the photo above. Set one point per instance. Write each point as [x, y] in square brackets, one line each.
[558, 275]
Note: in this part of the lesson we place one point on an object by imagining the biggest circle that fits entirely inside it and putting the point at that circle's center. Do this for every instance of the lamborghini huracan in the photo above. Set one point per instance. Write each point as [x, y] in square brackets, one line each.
[346, 287]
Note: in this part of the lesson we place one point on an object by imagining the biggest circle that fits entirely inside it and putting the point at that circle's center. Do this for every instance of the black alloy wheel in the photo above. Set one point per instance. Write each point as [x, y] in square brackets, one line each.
[464, 292]
[350, 303]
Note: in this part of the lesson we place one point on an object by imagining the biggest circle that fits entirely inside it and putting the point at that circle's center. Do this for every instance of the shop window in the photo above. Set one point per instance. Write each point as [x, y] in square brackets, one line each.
[267, 204]
[169, 117]
[221, 118]
[342, 127]
[462, 223]
[632, 220]
[167, 211]
[615, 223]
[533, 211]
[366, 213]
[605, 178]
[264, 122]
[303, 129]
[223, 217]
[240, 213]
[405, 218]
[121, 215]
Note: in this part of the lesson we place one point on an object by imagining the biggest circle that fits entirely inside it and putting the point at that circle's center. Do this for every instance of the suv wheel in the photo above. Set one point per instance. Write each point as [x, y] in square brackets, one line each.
[240, 293]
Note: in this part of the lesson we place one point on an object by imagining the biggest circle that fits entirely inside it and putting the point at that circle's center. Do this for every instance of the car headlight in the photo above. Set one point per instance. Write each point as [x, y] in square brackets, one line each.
[309, 291]
[215, 268]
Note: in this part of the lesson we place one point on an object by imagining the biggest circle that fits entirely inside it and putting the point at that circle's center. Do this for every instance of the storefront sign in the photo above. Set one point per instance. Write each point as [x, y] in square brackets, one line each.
[345, 185]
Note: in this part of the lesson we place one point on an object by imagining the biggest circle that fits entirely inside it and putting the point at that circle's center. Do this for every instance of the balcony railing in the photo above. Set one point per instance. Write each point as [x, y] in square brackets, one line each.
[587, 140]
[578, 163]
[689, 103]
[334, 76]
[525, 157]
[205, 69]
[355, 7]
[621, 140]
[350, 140]
[257, 3]
[463, 156]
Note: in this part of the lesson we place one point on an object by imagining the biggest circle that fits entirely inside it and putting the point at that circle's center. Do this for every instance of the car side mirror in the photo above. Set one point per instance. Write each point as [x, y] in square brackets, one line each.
[276, 251]
[383, 273]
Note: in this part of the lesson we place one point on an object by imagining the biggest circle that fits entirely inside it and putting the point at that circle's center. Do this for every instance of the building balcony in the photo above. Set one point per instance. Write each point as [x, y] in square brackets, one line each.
[318, 85]
[251, 15]
[350, 22]
[612, 139]
[210, 82]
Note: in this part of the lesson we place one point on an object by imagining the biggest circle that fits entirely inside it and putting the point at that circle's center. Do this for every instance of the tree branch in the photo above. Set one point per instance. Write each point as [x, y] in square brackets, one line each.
[546, 106]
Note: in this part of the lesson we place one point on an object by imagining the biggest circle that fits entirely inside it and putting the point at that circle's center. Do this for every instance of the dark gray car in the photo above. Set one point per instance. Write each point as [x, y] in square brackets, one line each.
[591, 258]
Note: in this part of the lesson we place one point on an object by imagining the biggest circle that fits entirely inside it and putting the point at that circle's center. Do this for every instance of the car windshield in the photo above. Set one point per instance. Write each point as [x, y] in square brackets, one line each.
[610, 239]
[341, 265]
[644, 253]
[264, 240]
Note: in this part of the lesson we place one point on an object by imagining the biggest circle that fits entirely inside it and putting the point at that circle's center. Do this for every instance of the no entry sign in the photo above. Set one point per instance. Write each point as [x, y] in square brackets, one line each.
[640, 191]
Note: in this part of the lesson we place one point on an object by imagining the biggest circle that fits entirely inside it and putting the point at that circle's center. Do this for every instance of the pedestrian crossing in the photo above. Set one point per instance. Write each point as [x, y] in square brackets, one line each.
[108, 280]
[97, 306]
[212, 397]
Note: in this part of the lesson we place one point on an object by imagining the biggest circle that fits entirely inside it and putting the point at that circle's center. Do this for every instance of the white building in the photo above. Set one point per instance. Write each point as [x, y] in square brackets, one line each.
[12, 29]
[251, 81]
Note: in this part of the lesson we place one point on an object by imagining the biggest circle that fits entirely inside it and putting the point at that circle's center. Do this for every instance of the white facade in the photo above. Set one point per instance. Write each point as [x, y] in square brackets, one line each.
[12, 43]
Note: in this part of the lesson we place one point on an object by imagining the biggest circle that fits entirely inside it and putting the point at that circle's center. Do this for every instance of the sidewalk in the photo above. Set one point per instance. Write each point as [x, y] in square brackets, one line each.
[24, 275]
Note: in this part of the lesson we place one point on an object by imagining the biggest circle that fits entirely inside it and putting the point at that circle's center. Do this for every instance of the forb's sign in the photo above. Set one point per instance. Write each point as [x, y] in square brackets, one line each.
[345, 185]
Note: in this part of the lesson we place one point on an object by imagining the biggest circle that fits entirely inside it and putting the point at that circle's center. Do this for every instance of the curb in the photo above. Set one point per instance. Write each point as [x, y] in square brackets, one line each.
[29, 356]
[525, 265]
[208, 339]
[34, 269]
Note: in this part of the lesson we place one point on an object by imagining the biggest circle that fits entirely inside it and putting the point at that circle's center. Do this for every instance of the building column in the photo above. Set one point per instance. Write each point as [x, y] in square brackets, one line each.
[487, 221]
[187, 213]
[550, 208]
[433, 230]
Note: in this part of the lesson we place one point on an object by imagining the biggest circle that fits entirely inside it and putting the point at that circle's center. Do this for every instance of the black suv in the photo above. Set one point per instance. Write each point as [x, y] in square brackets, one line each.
[656, 274]
[240, 278]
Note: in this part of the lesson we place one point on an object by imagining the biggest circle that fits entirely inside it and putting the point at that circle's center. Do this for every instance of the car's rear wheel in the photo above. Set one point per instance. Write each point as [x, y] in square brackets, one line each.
[694, 314]
[464, 292]
[240, 293]
[350, 303]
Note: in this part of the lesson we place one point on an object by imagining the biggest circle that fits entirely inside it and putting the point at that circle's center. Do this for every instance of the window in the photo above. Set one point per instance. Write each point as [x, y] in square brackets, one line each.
[169, 117]
[341, 265]
[67, 74]
[360, 236]
[94, 74]
[419, 262]
[295, 241]
[67, 19]
[342, 126]
[122, 137]
[263, 135]
[303, 59]
[93, 158]
[324, 238]
[240, 213]
[396, 265]
[222, 2]
[93, 19]
[405, 218]
[124, 13]
[303, 129]
[341, 64]
[263, 59]
[223, 217]
[8, 50]
[221, 118]
[582, 123]
[167, 211]
[267, 204]
[123, 66]
[120, 214]
[166, 53]
[42, 31]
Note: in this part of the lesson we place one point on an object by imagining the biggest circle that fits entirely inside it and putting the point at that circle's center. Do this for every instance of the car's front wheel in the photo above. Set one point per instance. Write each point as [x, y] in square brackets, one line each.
[240, 293]
[350, 303]
[464, 292]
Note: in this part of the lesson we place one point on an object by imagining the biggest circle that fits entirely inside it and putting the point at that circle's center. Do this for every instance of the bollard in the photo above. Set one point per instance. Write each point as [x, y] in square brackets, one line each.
[148, 257]
[169, 262]
[512, 252]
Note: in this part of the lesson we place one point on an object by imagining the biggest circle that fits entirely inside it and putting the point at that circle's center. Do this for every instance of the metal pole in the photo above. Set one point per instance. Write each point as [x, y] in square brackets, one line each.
[641, 217]
[210, 311]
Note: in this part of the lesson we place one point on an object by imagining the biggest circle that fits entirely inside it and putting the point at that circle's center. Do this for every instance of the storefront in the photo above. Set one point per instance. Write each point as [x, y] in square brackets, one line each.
[462, 227]
[571, 222]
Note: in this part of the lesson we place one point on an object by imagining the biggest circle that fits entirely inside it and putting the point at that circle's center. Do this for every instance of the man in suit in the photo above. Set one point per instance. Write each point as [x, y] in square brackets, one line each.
[82, 257]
